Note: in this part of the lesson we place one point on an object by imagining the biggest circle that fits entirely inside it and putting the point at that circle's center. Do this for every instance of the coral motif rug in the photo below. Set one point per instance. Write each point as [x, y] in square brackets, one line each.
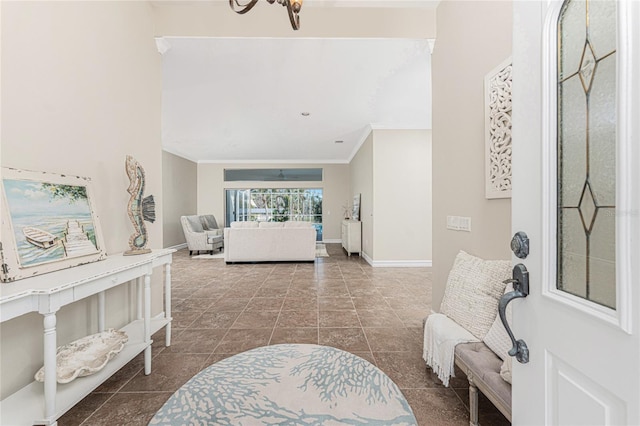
[288, 384]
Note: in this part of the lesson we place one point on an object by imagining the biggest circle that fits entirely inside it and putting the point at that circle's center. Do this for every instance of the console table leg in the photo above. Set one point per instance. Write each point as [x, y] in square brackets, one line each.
[101, 311]
[167, 302]
[139, 298]
[147, 323]
[50, 369]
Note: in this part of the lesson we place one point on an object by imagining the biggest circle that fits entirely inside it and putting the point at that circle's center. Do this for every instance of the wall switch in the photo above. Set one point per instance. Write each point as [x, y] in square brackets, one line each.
[459, 223]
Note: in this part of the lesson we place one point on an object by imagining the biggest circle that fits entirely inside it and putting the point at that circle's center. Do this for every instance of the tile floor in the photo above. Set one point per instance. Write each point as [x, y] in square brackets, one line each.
[220, 310]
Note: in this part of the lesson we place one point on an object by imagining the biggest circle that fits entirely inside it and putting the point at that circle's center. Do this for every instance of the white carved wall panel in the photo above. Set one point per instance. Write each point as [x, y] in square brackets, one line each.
[497, 86]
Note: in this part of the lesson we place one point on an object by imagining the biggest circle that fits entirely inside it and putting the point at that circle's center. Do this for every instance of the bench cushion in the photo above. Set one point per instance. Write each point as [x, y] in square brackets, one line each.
[485, 365]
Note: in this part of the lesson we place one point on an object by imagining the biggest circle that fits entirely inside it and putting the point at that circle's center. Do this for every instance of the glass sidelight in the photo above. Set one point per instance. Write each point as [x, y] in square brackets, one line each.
[586, 137]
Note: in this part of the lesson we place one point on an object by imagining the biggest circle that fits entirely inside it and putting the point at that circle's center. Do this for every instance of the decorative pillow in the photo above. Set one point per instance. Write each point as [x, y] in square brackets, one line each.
[473, 290]
[497, 338]
[271, 225]
[297, 224]
[505, 370]
[248, 224]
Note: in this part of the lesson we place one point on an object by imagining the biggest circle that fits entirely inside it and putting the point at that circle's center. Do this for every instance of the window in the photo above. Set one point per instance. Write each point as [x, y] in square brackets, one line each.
[277, 175]
[587, 150]
[275, 205]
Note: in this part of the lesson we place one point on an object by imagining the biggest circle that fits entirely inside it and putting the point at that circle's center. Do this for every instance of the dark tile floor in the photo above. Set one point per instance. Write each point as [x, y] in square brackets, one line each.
[220, 310]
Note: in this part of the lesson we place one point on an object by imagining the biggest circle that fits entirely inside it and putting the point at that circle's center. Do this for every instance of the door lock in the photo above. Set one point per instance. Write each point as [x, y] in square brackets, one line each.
[520, 280]
[520, 245]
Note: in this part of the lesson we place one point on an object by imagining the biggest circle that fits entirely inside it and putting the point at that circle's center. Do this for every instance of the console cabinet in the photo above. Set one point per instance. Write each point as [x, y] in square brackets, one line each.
[352, 236]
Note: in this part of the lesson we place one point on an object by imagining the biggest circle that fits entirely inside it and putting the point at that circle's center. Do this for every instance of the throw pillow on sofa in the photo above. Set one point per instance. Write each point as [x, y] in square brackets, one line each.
[473, 290]
[297, 224]
[248, 224]
[271, 225]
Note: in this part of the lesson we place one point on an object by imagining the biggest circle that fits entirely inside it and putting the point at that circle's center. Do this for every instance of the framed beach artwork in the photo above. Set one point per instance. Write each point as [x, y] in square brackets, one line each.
[49, 223]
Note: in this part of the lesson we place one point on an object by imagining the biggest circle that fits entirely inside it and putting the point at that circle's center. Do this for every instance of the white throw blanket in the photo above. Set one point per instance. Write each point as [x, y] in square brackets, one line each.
[441, 335]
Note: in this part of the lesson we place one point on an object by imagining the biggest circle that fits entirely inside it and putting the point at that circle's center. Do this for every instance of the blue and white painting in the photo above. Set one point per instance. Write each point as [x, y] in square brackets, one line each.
[50, 221]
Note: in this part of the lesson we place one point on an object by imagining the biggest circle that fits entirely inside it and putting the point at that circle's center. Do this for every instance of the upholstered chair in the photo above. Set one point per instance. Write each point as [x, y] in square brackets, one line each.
[200, 238]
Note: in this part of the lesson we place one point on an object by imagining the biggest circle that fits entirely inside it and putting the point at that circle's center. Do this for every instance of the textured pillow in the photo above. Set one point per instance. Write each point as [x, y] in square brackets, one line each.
[271, 225]
[497, 338]
[248, 224]
[297, 224]
[473, 290]
[505, 370]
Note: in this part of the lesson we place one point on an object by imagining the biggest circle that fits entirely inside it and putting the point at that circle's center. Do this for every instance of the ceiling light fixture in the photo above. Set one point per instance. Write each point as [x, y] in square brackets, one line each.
[293, 8]
[305, 114]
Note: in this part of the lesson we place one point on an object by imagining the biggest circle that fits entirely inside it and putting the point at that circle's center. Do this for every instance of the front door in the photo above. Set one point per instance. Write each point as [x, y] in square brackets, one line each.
[576, 194]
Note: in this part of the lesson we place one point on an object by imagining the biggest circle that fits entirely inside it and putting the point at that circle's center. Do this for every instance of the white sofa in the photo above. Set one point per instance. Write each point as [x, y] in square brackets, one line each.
[269, 241]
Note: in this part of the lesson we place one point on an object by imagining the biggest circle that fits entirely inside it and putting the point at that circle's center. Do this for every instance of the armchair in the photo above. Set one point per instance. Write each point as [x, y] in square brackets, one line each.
[201, 233]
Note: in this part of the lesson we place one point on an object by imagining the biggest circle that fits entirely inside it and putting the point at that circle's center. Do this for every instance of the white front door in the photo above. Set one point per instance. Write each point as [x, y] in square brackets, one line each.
[576, 194]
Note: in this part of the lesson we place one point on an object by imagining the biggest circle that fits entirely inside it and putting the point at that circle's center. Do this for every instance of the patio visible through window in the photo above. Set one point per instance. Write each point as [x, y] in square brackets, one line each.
[275, 205]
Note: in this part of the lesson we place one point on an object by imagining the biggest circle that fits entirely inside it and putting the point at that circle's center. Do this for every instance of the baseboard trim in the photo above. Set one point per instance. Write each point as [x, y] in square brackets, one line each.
[397, 263]
[179, 246]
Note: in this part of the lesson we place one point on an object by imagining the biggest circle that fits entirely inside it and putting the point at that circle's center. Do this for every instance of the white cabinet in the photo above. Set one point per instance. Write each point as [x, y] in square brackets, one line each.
[43, 403]
[352, 236]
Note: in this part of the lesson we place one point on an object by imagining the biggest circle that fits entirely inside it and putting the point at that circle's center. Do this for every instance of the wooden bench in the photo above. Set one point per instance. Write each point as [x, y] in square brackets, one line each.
[482, 367]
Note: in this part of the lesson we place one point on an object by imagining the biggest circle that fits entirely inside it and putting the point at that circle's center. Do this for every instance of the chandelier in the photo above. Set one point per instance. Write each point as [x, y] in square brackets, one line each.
[293, 8]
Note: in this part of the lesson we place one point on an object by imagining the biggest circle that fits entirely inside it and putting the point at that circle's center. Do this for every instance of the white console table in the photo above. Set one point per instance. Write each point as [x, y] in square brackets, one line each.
[43, 403]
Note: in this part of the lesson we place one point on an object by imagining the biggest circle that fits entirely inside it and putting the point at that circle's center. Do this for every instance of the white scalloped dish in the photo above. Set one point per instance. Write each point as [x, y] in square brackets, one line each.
[87, 355]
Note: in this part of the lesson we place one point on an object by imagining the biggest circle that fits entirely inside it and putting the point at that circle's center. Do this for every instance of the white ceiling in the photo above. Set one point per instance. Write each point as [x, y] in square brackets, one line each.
[241, 99]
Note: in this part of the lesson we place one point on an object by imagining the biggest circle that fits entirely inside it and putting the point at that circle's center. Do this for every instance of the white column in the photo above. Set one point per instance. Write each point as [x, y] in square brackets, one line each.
[147, 323]
[167, 302]
[50, 369]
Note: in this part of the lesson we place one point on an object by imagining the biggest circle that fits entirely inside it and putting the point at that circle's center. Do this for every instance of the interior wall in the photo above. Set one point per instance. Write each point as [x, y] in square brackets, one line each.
[216, 19]
[335, 194]
[361, 172]
[473, 38]
[180, 197]
[402, 195]
[81, 89]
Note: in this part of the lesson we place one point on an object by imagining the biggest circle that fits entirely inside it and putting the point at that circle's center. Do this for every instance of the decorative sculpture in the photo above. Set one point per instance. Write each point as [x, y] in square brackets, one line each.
[139, 208]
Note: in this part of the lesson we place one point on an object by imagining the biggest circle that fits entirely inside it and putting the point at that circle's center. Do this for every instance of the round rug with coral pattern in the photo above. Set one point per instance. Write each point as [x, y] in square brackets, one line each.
[288, 384]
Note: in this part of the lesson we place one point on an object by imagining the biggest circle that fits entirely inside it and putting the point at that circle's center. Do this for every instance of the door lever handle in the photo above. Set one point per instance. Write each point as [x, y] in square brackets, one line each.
[520, 282]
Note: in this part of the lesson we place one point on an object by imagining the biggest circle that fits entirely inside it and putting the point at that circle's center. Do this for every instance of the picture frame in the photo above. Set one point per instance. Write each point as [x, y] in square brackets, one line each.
[49, 222]
[355, 209]
[497, 110]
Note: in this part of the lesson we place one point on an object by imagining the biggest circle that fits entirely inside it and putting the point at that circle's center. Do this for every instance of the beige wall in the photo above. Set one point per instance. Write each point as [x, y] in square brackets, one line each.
[361, 172]
[391, 168]
[214, 18]
[473, 38]
[179, 191]
[335, 185]
[402, 195]
[80, 90]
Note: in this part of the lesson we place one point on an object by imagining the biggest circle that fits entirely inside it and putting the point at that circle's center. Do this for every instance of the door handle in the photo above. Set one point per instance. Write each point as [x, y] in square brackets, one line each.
[520, 282]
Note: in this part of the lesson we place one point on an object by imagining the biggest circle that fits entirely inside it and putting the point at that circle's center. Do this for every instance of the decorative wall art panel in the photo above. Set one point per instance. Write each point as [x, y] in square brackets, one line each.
[48, 223]
[497, 87]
